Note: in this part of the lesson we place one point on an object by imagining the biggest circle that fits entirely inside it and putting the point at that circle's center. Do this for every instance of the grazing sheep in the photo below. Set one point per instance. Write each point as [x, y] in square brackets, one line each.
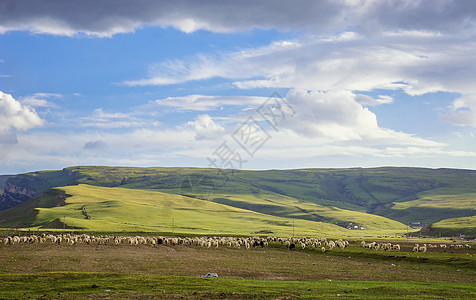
[8, 241]
[16, 240]
[323, 249]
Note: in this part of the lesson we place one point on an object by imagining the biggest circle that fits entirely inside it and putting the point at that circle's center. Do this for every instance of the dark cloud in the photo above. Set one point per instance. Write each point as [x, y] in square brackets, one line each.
[426, 15]
[108, 17]
[105, 18]
[95, 145]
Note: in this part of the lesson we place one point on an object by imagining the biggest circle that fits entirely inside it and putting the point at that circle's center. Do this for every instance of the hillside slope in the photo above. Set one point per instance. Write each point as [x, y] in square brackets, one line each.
[347, 197]
[117, 209]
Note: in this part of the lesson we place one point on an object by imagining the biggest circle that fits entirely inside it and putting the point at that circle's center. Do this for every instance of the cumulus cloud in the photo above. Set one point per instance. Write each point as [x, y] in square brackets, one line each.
[337, 117]
[205, 128]
[13, 115]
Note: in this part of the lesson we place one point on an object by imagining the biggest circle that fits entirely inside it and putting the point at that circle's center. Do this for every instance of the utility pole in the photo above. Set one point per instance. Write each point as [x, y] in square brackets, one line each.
[293, 228]
[173, 226]
[64, 223]
[407, 234]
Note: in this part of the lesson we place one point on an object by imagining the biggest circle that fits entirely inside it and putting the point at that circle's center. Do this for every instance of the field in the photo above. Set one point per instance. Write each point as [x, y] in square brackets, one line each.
[110, 202]
[51, 271]
[119, 209]
[376, 201]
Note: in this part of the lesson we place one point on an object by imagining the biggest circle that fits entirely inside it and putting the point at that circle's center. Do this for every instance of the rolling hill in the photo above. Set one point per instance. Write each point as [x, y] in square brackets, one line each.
[206, 201]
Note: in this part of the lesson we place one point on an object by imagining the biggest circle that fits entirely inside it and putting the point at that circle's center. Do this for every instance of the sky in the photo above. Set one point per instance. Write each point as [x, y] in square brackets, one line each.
[237, 84]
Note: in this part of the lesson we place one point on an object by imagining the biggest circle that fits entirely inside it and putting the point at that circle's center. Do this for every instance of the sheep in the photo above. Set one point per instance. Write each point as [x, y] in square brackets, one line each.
[323, 249]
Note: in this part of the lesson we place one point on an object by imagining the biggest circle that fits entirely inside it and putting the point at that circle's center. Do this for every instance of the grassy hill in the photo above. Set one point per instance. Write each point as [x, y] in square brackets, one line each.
[379, 199]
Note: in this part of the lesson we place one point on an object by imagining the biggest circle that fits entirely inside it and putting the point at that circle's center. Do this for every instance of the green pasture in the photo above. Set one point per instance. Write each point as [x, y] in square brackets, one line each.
[206, 201]
[105, 285]
[95, 208]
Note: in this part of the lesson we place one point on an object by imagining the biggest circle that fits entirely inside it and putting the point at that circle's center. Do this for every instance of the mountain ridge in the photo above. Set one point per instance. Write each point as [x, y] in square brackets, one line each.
[372, 191]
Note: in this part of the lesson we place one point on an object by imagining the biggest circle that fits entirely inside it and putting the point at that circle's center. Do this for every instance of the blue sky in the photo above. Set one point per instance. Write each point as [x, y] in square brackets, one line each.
[351, 84]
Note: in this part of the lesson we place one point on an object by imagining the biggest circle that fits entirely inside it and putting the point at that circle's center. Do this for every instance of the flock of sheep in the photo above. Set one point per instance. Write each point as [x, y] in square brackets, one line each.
[383, 246]
[315, 243]
[291, 243]
[206, 242]
[72, 239]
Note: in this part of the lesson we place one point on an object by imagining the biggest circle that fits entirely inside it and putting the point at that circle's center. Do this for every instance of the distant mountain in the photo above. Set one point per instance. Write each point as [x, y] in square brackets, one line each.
[3, 179]
[349, 198]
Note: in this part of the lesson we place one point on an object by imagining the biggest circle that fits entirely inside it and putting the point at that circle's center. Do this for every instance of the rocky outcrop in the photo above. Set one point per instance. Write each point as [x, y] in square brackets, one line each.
[23, 187]
[24, 191]
[14, 195]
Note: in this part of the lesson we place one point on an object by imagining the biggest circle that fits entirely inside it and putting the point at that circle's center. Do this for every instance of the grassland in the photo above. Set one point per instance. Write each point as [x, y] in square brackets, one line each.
[107, 209]
[465, 225]
[379, 199]
[107, 271]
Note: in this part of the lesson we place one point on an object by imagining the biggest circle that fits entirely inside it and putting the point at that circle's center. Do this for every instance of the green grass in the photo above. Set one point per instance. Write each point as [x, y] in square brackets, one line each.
[377, 199]
[105, 285]
[284, 206]
[448, 201]
[97, 208]
[125, 271]
[465, 225]
[118, 209]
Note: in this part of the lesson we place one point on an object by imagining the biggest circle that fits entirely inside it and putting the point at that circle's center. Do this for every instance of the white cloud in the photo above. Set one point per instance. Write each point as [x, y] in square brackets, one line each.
[13, 115]
[205, 128]
[369, 101]
[40, 100]
[337, 117]
[206, 103]
[417, 64]
[462, 112]
[111, 120]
